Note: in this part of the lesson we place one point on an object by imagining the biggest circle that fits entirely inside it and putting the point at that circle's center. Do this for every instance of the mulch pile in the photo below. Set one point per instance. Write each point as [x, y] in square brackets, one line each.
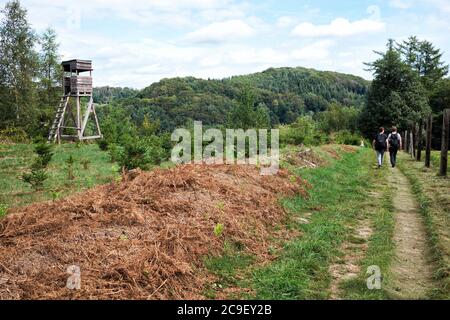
[303, 159]
[141, 238]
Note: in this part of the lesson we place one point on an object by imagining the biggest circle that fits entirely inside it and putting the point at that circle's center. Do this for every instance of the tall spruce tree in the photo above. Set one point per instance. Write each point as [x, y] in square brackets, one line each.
[396, 96]
[18, 68]
[50, 76]
[425, 59]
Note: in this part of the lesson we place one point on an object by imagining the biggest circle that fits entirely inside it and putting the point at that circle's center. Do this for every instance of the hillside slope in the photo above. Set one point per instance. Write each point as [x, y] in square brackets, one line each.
[285, 92]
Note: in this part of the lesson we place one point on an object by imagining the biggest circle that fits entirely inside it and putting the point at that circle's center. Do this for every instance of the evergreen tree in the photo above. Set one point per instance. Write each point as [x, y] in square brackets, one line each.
[396, 96]
[50, 74]
[243, 115]
[425, 59]
[18, 65]
[50, 68]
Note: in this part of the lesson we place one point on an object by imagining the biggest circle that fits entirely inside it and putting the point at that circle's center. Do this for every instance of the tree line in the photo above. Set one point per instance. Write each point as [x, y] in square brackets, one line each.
[410, 82]
[30, 74]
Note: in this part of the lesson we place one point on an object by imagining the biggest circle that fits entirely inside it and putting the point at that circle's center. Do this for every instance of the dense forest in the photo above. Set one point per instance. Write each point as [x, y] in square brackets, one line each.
[284, 94]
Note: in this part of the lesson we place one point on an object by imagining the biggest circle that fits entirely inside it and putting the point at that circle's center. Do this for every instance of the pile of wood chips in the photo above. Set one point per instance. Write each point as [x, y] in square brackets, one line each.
[142, 238]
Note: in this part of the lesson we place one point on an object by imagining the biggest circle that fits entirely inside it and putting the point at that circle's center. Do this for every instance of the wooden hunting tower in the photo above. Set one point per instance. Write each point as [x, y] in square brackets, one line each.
[69, 122]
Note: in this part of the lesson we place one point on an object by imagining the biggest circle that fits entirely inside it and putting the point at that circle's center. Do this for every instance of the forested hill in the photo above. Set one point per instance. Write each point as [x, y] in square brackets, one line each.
[285, 93]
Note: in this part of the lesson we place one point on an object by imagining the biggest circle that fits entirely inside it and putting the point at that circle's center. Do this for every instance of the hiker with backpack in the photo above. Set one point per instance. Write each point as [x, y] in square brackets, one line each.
[394, 143]
[380, 145]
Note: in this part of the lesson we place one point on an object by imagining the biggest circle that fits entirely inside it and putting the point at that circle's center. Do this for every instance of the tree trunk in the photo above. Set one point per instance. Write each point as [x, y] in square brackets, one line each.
[419, 141]
[428, 143]
[444, 147]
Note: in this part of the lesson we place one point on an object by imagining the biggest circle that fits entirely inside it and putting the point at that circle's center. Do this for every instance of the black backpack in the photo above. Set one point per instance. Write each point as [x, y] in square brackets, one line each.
[380, 141]
[393, 141]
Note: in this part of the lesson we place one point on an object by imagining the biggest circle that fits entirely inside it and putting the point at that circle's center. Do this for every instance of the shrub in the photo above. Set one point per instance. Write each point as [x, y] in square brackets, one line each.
[44, 152]
[346, 137]
[70, 161]
[134, 156]
[85, 163]
[38, 175]
[156, 148]
[13, 135]
[103, 144]
[218, 229]
[3, 210]
[35, 178]
[142, 153]
[304, 130]
[116, 152]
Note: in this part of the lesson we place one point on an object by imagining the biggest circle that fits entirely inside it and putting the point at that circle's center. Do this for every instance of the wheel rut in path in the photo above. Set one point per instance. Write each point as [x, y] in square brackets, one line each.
[411, 267]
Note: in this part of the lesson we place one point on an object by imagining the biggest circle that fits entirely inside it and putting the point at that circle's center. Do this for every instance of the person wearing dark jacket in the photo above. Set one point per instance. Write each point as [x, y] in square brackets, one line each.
[380, 145]
[394, 143]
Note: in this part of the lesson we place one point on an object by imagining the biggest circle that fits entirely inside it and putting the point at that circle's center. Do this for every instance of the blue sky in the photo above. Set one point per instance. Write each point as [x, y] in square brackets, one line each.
[137, 42]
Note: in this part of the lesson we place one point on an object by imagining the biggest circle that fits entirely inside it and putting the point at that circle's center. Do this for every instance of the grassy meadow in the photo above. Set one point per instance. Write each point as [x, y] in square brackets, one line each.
[91, 167]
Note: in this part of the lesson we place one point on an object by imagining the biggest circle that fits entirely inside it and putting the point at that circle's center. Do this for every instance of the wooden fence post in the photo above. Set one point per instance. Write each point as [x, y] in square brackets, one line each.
[428, 142]
[405, 141]
[419, 141]
[402, 135]
[411, 144]
[444, 147]
[414, 140]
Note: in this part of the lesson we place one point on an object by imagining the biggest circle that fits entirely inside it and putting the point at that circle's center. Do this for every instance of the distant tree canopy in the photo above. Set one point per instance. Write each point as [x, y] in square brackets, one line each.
[107, 94]
[278, 96]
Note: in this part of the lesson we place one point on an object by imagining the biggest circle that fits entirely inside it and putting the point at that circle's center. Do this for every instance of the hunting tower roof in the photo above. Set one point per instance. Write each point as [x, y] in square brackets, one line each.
[77, 65]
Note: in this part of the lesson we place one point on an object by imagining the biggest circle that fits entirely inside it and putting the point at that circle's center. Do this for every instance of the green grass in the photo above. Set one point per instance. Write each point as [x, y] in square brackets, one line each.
[380, 249]
[226, 267]
[435, 160]
[433, 206]
[3, 209]
[16, 159]
[336, 201]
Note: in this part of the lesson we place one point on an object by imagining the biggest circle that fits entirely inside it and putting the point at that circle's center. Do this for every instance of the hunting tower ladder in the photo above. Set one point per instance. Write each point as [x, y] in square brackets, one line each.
[68, 123]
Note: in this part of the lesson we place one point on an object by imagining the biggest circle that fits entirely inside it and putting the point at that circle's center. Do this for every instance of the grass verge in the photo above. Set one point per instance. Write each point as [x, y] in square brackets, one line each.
[380, 249]
[336, 201]
[434, 207]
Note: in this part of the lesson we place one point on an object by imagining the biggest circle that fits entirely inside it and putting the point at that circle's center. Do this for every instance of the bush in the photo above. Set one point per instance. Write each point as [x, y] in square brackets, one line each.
[13, 135]
[134, 157]
[70, 161]
[103, 144]
[116, 152]
[157, 149]
[44, 152]
[346, 137]
[35, 178]
[143, 152]
[38, 175]
[85, 163]
[304, 130]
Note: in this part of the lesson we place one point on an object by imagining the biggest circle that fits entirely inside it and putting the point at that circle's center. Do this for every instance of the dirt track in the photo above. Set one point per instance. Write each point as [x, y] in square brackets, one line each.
[411, 268]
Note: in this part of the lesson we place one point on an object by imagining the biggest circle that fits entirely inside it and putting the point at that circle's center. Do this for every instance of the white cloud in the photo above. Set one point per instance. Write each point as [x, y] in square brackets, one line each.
[137, 42]
[318, 50]
[339, 27]
[221, 32]
[443, 5]
[286, 21]
[401, 4]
